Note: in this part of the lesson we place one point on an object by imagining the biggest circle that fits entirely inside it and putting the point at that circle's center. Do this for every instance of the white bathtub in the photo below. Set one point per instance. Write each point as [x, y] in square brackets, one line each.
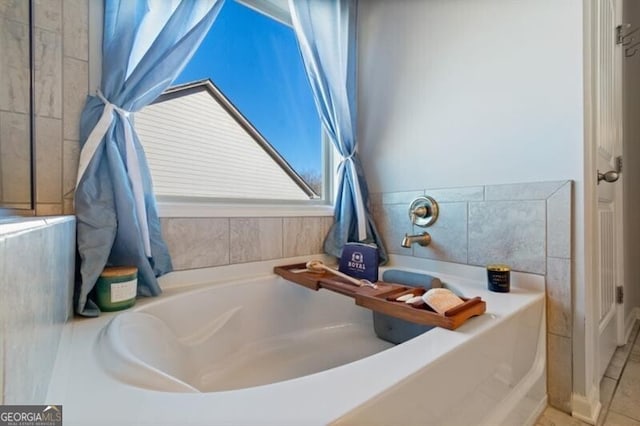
[262, 350]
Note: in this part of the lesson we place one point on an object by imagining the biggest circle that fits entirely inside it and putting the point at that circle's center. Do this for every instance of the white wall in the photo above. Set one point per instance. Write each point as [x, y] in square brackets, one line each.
[631, 174]
[464, 92]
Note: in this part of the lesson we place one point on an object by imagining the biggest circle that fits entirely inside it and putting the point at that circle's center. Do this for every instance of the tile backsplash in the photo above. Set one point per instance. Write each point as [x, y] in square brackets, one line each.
[519, 224]
[206, 242]
[527, 226]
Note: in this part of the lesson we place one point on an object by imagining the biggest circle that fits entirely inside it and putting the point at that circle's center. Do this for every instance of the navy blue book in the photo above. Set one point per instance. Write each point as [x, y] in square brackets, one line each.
[360, 260]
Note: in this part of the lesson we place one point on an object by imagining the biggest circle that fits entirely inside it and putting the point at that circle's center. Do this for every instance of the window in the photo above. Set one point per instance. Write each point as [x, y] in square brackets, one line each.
[240, 121]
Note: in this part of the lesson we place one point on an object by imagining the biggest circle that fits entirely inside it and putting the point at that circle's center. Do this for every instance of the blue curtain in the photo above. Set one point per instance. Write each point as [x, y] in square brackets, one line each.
[146, 43]
[326, 33]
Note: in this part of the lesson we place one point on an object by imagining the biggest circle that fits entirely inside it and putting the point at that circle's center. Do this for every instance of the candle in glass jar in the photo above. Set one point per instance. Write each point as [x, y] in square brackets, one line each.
[498, 277]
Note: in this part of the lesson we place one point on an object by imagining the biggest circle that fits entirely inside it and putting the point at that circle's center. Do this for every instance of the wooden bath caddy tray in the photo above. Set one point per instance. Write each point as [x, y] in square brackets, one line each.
[383, 298]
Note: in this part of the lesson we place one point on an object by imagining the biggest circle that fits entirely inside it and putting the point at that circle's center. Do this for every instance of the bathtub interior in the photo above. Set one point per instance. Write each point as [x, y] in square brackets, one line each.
[236, 335]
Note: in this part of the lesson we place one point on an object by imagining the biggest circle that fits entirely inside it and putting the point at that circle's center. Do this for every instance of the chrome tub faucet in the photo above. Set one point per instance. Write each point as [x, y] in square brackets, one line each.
[423, 239]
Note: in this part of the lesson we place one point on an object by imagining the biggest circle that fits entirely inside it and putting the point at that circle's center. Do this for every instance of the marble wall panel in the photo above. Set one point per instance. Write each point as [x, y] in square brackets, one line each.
[15, 158]
[63, 230]
[14, 66]
[48, 73]
[448, 235]
[511, 232]
[70, 158]
[48, 15]
[522, 191]
[304, 235]
[35, 301]
[75, 86]
[197, 242]
[559, 372]
[23, 324]
[76, 29]
[255, 239]
[559, 213]
[48, 160]
[207, 242]
[15, 10]
[559, 307]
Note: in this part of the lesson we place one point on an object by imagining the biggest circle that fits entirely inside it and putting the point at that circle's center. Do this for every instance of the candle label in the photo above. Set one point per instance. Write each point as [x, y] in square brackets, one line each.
[123, 291]
[499, 281]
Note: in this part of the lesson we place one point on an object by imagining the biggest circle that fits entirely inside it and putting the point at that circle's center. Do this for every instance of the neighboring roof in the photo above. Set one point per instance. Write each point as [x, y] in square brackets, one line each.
[152, 125]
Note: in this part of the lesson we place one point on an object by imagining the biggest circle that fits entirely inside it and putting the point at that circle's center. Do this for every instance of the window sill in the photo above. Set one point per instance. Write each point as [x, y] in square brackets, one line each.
[191, 209]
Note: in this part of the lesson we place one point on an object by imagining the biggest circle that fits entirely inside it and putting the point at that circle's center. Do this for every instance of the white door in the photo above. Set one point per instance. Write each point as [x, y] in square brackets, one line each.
[609, 148]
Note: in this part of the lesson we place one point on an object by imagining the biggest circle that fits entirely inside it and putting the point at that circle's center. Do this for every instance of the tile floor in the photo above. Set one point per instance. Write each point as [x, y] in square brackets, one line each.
[619, 391]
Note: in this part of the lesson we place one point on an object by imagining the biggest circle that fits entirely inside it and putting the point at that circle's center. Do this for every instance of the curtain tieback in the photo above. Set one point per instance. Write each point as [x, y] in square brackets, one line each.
[357, 192]
[133, 165]
[121, 111]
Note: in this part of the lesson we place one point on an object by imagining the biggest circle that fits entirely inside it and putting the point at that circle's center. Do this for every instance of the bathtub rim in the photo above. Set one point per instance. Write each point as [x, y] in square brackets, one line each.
[191, 278]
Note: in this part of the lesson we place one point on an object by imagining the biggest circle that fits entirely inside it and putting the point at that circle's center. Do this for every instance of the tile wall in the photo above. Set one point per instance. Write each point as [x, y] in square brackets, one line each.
[527, 226]
[35, 302]
[206, 242]
[60, 43]
[61, 87]
[15, 156]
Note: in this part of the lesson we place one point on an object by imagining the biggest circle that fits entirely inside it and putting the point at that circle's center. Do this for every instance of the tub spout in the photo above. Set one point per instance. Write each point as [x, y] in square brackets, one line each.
[424, 239]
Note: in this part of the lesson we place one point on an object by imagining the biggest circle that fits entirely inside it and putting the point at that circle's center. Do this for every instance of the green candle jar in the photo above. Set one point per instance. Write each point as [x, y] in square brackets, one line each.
[116, 288]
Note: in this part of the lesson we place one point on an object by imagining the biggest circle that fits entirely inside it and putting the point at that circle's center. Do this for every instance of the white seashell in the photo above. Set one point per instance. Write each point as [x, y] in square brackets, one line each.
[404, 297]
[415, 299]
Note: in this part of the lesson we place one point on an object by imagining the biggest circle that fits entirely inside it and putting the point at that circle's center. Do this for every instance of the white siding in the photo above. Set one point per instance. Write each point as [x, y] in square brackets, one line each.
[195, 148]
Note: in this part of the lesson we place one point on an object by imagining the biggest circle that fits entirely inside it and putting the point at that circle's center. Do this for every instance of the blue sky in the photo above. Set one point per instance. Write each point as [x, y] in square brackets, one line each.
[255, 61]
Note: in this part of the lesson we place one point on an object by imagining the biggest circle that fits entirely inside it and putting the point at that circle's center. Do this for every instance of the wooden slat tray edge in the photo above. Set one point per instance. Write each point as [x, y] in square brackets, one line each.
[376, 300]
[302, 278]
[423, 316]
